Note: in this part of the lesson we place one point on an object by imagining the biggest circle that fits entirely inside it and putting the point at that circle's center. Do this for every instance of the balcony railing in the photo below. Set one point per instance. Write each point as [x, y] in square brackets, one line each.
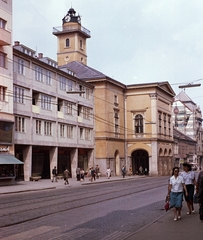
[60, 29]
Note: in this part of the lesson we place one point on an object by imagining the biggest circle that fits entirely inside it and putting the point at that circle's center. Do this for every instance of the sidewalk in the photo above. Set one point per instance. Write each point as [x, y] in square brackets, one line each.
[45, 184]
[165, 228]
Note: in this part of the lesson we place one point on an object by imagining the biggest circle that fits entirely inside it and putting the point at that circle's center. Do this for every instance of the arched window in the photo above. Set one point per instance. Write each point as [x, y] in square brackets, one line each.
[67, 42]
[139, 123]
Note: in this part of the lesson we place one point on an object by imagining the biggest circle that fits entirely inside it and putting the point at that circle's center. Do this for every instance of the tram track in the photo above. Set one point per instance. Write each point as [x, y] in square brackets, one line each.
[30, 209]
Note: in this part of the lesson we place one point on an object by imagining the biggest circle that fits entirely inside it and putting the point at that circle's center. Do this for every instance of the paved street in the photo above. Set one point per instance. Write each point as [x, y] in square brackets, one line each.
[111, 210]
[115, 209]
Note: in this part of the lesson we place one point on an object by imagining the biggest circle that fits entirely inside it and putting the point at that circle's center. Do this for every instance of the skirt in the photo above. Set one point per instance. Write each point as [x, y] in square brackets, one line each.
[190, 190]
[176, 199]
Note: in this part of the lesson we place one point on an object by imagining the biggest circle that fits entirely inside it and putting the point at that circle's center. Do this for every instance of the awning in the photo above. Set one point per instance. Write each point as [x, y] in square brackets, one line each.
[9, 159]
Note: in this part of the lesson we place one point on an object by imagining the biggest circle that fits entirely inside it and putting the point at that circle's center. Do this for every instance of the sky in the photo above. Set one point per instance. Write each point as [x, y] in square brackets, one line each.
[132, 41]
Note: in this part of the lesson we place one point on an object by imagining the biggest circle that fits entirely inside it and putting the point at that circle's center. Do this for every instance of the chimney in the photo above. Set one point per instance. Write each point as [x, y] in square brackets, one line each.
[16, 43]
[40, 55]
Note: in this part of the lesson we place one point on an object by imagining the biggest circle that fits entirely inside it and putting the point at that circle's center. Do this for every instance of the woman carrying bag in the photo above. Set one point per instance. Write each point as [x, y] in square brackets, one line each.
[175, 192]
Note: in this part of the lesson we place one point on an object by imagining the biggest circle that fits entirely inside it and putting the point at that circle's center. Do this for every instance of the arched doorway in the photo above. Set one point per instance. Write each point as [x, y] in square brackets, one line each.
[118, 167]
[140, 158]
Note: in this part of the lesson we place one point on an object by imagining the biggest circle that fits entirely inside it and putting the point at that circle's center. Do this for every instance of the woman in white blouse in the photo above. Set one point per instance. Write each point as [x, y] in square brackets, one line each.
[189, 179]
[175, 192]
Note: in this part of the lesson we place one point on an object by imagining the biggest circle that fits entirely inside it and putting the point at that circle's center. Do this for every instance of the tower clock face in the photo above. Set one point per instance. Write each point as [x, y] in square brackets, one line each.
[67, 18]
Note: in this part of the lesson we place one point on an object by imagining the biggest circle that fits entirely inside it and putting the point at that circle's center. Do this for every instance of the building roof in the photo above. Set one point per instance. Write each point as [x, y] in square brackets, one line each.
[186, 100]
[179, 135]
[90, 75]
[83, 71]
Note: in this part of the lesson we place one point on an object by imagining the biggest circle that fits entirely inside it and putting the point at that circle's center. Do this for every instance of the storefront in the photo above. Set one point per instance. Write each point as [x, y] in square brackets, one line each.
[8, 165]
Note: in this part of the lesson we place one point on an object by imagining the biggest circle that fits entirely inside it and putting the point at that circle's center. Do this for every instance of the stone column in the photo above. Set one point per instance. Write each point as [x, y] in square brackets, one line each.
[153, 162]
[27, 159]
[154, 118]
[53, 156]
[74, 161]
[90, 158]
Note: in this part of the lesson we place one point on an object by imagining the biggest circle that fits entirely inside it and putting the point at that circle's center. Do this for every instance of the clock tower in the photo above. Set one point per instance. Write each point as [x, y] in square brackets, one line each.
[71, 39]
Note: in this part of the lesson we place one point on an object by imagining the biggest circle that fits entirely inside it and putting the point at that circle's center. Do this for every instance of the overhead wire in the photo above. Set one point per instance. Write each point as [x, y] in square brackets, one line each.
[54, 103]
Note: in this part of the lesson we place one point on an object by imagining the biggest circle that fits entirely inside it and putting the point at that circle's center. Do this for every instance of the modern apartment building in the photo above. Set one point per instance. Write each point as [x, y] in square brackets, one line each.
[7, 159]
[187, 118]
[54, 116]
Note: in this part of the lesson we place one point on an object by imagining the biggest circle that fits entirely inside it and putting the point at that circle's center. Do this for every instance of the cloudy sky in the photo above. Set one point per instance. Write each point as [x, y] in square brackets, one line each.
[132, 41]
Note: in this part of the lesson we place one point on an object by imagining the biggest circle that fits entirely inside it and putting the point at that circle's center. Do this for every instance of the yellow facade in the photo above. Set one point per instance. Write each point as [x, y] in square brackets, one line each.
[133, 124]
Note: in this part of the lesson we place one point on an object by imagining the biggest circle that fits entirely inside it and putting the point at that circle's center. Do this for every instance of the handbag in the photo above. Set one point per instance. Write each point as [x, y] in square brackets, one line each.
[195, 198]
[167, 206]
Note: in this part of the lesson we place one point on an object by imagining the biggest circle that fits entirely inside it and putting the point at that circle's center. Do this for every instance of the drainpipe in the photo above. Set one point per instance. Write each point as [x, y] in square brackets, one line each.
[125, 131]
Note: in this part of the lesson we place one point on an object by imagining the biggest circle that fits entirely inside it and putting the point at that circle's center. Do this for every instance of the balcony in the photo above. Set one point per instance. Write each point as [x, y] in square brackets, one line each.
[60, 115]
[5, 37]
[35, 109]
[73, 28]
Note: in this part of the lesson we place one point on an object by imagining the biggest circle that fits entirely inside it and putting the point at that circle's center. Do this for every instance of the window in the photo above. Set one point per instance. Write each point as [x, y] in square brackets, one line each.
[86, 113]
[87, 134]
[48, 77]
[160, 123]
[82, 90]
[38, 74]
[70, 131]
[20, 124]
[67, 42]
[70, 85]
[20, 66]
[164, 124]
[2, 60]
[169, 125]
[81, 46]
[81, 133]
[47, 128]
[38, 126]
[2, 23]
[62, 83]
[116, 118]
[62, 130]
[115, 100]
[2, 93]
[46, 102]
[80, 110]
[87, 93]
[138, 123]
[69, 108]
[18, 95]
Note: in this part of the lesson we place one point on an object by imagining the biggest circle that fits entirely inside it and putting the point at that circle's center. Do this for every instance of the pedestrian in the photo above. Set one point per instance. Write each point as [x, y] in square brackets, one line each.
[78, 173]
[130, 171]
[145, 171]
[97, 171]
[89, 173]
[92, 174]
[108, 172]
[175, 192]
[189, 179]
[54, 174]
[123, 170]
[66, 175]
[82, 175]
[140, 170]
[199, 191]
